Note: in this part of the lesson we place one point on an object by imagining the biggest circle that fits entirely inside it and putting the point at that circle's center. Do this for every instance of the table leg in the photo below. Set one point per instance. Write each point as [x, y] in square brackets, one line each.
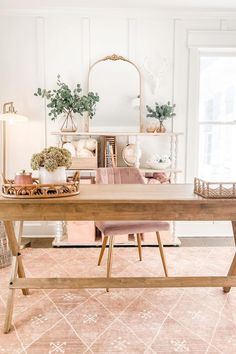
[20, 270]
[17, 267]
[232, 269]
[10, 298]
[15, 249]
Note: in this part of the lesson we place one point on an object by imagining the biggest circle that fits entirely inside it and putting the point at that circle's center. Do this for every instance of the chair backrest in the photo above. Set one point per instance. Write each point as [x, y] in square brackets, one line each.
[119, 175]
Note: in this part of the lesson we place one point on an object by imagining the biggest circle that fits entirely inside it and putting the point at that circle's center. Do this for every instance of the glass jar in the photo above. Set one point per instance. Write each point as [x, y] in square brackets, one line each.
[23, 177]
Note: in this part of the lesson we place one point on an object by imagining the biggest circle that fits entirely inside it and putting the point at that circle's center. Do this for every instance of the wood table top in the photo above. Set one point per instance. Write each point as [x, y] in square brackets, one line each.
[122, 192]
[122, 202]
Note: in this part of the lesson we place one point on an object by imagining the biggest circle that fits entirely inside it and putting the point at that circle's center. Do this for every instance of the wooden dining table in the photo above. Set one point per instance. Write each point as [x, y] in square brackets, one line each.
[114, 202]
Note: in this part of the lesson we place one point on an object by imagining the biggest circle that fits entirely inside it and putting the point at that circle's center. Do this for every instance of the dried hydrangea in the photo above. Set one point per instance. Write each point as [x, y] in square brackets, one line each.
[51, 158]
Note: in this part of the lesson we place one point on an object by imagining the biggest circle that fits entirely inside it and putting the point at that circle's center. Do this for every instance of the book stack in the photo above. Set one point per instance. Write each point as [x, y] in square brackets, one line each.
[110, 151]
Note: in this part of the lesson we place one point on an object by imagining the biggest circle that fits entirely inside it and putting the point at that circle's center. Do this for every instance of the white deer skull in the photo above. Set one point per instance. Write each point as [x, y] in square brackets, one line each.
[154, 72]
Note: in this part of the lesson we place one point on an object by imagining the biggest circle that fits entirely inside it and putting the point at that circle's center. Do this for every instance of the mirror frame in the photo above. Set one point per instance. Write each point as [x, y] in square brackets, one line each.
[115, 57]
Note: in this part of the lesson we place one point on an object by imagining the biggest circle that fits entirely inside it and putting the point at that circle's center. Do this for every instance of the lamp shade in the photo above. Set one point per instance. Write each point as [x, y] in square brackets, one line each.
[12, 117]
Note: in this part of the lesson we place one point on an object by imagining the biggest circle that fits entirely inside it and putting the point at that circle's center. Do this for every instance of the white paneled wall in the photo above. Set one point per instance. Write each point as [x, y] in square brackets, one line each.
[36, 46]
[18, 79]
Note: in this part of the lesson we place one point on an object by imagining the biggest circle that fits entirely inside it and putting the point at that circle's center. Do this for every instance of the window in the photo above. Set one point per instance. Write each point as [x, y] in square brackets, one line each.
[217, 117]
[229, 99]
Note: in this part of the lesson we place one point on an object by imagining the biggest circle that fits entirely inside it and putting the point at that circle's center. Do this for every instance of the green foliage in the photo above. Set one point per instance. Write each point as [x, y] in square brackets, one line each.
[161, 112]
[51, 158]
[65, 100]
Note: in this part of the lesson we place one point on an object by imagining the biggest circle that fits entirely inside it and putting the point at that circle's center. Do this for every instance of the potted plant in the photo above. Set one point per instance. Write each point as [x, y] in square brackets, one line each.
[161, 112]
[51, 163]
[65, 101]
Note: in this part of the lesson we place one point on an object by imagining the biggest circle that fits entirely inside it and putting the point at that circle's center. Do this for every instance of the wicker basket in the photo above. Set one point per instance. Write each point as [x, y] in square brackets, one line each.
[5, 253]
[215, 190]
[36, 190]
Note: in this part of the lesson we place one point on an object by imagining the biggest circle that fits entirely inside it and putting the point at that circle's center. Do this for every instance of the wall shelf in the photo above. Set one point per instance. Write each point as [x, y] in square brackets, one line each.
[142, 169]
[173, 136]
[172, 171]
[168, 170]
[115, 134]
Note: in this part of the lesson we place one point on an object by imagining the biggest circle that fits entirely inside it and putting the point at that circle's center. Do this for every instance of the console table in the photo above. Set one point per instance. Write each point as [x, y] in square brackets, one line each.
[172, 139]
[114, 202]
[173, 146]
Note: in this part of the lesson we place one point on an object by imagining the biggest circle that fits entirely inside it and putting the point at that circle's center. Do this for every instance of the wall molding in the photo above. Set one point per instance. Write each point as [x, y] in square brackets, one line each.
[40, 56]
[211, 39]
[86, 58]
[153, 13]
[132, 39]
[192, 112]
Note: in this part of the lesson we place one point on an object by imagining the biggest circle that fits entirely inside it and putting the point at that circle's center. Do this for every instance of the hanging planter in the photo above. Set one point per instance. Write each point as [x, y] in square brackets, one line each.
[65, 101]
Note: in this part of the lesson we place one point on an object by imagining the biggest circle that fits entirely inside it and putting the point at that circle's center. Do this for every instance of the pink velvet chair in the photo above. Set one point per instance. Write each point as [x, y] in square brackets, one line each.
[126, 175]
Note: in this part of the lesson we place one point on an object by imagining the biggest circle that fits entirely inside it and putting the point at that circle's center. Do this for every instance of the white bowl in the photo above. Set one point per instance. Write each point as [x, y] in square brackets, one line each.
[159, 165]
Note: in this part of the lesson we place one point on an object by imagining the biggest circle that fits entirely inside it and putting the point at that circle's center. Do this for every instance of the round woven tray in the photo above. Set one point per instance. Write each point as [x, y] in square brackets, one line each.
[36, 190]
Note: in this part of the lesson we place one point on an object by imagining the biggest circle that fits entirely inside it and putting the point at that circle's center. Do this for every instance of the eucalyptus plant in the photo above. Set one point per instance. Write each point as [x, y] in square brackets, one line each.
[161, 112]
[67, 101]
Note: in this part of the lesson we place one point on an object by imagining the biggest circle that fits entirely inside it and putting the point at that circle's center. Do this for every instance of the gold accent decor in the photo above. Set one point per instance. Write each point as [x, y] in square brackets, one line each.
[36, 190]
[115, 57]
[215, 190]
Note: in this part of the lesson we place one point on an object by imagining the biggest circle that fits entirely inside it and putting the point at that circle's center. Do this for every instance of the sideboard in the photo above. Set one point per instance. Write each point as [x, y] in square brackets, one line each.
[173, 147]
[61, 238]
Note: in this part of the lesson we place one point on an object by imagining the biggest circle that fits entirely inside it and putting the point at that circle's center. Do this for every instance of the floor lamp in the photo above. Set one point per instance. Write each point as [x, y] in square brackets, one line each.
[10, 116]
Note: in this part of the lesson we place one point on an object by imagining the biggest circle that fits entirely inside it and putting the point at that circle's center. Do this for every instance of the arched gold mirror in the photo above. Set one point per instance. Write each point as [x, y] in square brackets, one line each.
[117, 81]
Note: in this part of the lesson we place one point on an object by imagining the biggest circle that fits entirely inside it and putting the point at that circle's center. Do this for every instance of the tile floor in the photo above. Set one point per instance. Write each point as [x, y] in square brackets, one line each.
[123, 321]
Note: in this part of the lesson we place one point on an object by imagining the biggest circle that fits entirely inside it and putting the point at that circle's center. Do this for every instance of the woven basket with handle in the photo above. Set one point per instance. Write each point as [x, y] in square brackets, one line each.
[5, 253]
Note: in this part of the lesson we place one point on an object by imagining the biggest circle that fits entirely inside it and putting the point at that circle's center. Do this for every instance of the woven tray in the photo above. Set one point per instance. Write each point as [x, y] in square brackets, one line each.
[215, 190]
[36, 190]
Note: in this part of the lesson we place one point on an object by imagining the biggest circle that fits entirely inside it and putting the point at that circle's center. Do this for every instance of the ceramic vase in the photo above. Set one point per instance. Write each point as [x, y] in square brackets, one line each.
[55, 177]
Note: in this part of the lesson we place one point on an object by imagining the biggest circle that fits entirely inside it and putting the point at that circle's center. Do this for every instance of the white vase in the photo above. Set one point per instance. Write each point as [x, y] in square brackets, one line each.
[55, 177]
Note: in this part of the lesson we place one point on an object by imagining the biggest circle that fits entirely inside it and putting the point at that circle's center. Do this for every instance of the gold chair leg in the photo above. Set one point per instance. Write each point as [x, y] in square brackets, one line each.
[162, 253]
[139, 246]
[109, 258]
[104, 243]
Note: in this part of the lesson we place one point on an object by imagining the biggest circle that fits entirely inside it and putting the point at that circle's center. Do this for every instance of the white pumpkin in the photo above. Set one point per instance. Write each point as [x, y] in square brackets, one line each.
[85, 153]
[70, 147]
[81, 144]
[91, 144]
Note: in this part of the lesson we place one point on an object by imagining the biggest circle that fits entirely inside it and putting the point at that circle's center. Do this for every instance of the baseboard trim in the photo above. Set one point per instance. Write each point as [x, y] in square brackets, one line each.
[184, 242]
[207, 241]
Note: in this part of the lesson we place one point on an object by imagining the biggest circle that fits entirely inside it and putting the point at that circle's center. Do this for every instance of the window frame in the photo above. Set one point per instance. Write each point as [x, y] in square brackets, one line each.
[193, 123]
